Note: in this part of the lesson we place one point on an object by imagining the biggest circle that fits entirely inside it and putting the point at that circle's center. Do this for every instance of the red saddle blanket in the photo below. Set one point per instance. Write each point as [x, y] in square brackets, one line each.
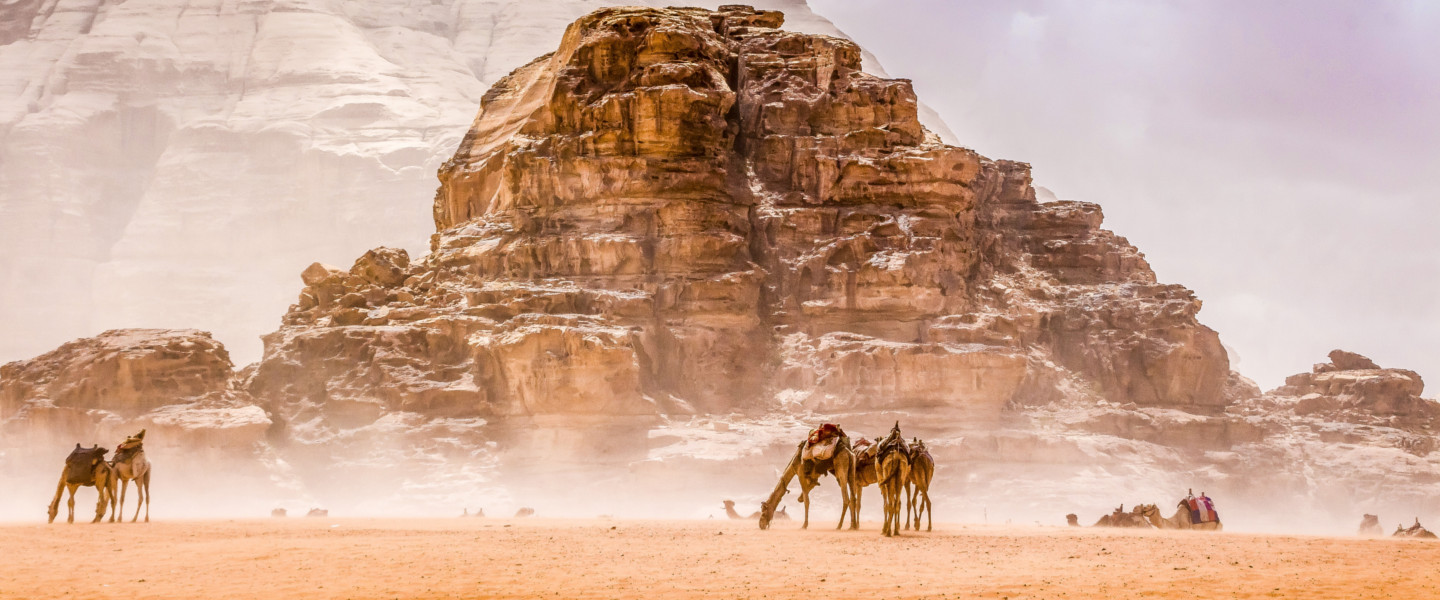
[1202, 510]
[824, 432]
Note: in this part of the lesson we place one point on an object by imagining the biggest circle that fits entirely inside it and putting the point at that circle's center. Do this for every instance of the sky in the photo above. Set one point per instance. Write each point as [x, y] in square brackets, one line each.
[1280, 158]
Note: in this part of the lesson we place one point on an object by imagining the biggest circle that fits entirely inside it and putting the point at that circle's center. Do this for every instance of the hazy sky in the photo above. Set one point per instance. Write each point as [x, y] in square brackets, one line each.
[1282, 159]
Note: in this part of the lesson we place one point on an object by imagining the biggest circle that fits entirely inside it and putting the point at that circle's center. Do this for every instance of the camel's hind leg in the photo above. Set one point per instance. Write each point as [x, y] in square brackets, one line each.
[929, 511]
[70, 502]
[910, 489]
[142, 494]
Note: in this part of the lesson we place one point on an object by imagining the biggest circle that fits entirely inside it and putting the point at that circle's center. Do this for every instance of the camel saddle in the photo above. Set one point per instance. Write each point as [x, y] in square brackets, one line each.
[80, 465]
[825, 432]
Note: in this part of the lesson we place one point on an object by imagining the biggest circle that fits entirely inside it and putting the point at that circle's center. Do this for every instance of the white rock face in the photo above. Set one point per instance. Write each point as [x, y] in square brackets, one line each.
[174, 163]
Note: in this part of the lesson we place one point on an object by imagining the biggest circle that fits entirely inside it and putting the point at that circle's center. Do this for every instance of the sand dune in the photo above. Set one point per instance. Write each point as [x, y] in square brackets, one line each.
[372, 558]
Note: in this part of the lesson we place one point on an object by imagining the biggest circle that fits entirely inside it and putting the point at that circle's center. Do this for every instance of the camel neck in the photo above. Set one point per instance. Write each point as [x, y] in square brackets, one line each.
[783, 485]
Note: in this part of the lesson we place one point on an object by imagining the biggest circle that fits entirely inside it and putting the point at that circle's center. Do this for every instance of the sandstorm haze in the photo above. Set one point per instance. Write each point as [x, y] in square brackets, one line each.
[1280, 158]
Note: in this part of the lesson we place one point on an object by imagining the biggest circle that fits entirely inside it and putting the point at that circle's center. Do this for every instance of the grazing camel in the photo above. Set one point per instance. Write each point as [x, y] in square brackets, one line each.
[1414, 531]
[917, 487]
[1370, 525]
[129, 463]
[893, 470]
[809, 472]
[85, 467]
[1180, 520]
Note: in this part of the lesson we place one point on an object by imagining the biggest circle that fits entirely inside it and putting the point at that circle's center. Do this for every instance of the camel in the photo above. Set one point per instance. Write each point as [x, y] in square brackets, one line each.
[1120, 518]
[1414, 531]
[917, 486]
[1072, 520]
[525, 512]
[809, 472]
[465, 512]
[129, 463]
[780, 515]
[1180, 520]
[1370, 525]
[277, 513]
[893, 471]
[318, 512]
[85, 467]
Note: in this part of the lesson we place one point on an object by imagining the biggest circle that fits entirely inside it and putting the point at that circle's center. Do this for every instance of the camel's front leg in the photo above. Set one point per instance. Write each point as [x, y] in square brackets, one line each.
[844, 499]
[102, 503]
[55, 504]
[70, 503]
[855, 514]
[142, 496]
[125, 487]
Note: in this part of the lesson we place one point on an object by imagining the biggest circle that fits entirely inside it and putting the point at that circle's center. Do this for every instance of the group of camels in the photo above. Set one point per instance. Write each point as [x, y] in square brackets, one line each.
[1148, 515]
[88, 467]
[901, 470]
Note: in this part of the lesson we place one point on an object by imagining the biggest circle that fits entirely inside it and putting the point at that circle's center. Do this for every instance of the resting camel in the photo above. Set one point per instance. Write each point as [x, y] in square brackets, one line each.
[917, 486]
[1120, 518]
[730, 512]
[809, 472]
[525, 512]
[1181, 519]
[893, 470]
[85, 466]
[1370, 525]
[129, 463]
[1414, 531]
[277, 513]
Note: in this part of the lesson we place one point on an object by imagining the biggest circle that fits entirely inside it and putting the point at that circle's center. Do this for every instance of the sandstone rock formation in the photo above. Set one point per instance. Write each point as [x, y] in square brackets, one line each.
[179, 384]
[690, 211]
[169, 163]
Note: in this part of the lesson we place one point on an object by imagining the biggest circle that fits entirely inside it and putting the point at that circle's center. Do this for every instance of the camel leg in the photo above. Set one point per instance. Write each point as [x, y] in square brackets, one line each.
[125, 487]
[142, 496]
[70, 503]
[929, 512]
[55, 504]
[910, 505]
[104, 501]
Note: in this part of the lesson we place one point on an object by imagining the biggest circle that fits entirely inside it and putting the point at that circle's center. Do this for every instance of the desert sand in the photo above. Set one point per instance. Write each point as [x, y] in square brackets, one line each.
[602, 558]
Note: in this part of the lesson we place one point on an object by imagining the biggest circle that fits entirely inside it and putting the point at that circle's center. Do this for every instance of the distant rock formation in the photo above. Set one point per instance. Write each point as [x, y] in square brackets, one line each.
[691, 211]
[177, 384]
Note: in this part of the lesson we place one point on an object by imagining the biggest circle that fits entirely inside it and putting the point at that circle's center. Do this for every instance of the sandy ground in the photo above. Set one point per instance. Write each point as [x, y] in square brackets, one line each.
[482, 558]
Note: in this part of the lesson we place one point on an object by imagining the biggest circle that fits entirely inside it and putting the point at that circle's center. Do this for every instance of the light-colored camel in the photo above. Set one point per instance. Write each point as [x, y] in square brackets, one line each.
[1370, 525]
[917, 486]
[893, 470]
[85, 467]
[130, 464]
[809, 472]
[1180, 520]
[780, 515]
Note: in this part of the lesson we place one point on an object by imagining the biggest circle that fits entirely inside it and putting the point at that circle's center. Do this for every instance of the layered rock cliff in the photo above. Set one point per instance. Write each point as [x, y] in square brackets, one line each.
[684, 211]
[171, 163]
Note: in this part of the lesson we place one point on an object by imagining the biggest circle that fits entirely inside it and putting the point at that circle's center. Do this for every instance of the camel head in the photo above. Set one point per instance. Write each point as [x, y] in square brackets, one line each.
[1147, 510]
[132, 441]
[729, 504]
[767, 513]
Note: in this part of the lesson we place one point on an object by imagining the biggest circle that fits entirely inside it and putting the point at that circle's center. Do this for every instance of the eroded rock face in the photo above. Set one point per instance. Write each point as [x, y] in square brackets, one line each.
[683, 211]
[180, 384]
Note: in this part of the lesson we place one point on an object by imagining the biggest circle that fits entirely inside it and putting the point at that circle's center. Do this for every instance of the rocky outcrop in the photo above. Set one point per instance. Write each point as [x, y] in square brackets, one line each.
[179, 384]
[144, 146]
[684, 211]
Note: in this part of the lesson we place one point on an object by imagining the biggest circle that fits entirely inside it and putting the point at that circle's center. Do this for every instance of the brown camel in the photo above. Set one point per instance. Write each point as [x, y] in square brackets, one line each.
[129, 463]
[1414, 531]
[85, 467]
[917, 486]
[1180, 520]
[809, 471]
[1370, 525]
[277, 513]
[893, 470]
[525, 512]
[1072, 520]
[1120, 518]
[730, 511]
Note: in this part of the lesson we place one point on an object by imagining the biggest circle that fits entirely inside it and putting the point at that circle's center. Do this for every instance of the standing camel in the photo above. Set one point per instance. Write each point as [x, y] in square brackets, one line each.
[85, 466]
[917, 487]
[841, 465]
[129, 463]
[1181, 519]
[893, 470]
